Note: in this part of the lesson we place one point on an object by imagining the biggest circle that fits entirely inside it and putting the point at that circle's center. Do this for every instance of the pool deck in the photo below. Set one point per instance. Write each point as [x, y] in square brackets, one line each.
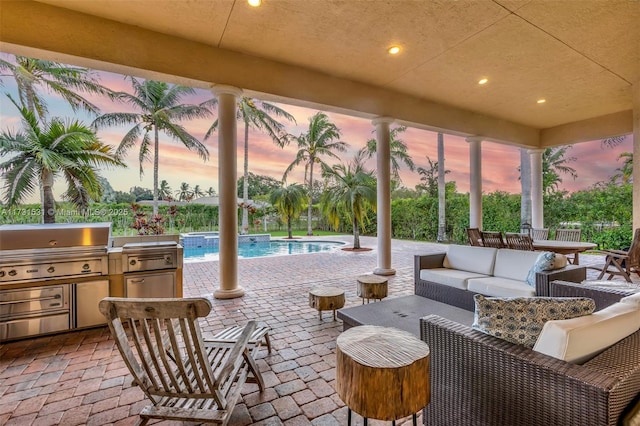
[79, 378]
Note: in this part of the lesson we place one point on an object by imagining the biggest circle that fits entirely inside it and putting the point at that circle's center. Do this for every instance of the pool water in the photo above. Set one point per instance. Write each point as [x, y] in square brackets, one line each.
[262, 249]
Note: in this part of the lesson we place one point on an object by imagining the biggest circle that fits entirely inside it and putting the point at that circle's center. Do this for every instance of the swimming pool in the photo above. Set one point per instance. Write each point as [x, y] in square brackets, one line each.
[262, 249]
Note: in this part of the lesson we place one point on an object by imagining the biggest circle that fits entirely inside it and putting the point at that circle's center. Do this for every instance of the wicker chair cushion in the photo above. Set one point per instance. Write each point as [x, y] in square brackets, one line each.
[544, 262]
[579, 339]
[500, 287]
[514, 264]
[520, 320]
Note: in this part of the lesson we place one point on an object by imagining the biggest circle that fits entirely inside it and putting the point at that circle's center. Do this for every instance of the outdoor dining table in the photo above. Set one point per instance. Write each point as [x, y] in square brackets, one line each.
[564, 247]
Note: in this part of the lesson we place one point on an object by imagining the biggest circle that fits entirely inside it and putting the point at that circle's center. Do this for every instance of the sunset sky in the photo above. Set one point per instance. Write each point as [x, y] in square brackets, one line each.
[499, 162]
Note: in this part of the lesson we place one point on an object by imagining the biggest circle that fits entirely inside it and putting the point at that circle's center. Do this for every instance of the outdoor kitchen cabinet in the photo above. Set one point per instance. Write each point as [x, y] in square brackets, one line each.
[87, 296]
[159, 284]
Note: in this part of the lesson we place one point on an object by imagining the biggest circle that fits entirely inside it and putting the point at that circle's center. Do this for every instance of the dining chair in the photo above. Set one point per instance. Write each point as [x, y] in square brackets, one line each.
[492, 239]
[475, 238]
[540, 233]
[518, 241]
[568, 234]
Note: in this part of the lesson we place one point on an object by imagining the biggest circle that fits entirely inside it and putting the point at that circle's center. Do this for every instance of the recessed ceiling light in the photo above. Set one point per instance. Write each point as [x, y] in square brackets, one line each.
[541, 101]
[254, 3]
[483, 81]
[394, 50]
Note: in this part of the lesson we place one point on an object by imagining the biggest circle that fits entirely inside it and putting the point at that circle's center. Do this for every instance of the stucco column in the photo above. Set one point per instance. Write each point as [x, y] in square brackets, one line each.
[537, 203]
[475, 182]
[636, 154]
[383, 166]
[228, 192]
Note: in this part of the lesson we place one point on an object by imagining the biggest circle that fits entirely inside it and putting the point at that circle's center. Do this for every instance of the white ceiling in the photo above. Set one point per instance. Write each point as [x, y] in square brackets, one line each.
[582, 56]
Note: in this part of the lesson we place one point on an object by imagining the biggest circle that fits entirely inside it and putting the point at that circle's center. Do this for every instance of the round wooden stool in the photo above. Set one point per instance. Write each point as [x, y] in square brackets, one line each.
[372, 287]
[382, 372]
[326, 299]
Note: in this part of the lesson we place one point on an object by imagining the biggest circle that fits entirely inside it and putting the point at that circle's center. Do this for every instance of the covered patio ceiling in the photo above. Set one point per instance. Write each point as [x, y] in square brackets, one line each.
[581, 56]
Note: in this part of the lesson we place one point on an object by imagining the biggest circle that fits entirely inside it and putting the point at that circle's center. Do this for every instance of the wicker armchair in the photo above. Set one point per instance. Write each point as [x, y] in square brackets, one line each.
[477, 379]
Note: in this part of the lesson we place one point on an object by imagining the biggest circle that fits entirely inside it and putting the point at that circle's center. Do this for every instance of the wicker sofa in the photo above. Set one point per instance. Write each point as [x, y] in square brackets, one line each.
[494, 272]
[477, 379]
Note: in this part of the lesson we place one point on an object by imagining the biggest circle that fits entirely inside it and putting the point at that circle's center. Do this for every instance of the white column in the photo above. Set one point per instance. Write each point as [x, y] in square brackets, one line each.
[537, 203]
[383, 160]
[228, 192]
[475, 182]
[636, 154]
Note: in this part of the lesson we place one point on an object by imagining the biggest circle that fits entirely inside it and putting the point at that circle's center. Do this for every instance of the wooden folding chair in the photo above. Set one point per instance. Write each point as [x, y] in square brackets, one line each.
[185, 378]
[621, 263]
[492, 239]
[475, 239]
[518, 241]
[568, 234]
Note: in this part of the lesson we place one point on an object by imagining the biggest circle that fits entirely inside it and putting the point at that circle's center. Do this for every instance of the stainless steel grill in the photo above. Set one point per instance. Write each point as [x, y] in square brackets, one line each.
[43, 269]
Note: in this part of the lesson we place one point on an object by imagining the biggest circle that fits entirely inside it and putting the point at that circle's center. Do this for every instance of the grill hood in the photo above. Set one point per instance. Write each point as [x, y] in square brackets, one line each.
[54, 235]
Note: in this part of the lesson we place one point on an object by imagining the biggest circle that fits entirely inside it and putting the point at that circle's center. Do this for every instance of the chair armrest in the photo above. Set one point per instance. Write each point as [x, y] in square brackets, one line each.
[237, 351]
[428, 261]
[602, 296]
[573, 273]
[475, 377]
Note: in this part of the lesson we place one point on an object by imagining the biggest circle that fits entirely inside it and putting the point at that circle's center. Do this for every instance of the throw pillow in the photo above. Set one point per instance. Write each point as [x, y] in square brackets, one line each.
[520, 320]
[544, 262]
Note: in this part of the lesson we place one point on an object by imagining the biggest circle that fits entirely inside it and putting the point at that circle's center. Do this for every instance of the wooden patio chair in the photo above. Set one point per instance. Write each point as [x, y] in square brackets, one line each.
[492, 239]
[540, 233]
[475, 239]
[518, 241]
[620, 262]
[568, 234]
[186, 378]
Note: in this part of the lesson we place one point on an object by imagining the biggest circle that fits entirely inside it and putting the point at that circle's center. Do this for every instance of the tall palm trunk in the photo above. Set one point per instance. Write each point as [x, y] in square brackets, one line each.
[289, 227]
[310, 208]
[525, 187]
[356, 234]
[441, 190]
[156, 156]
[48, 202]
[245, 185]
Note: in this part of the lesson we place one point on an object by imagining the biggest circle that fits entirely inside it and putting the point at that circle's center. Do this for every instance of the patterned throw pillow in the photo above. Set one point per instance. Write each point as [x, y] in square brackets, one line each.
[520, 320]
[544, 262]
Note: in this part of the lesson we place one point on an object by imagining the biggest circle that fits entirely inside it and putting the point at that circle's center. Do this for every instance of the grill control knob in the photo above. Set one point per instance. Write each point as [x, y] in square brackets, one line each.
[132, 262]
[51, 269]
[13, 273]
[167, 259]
[86, 266]
[2, 273]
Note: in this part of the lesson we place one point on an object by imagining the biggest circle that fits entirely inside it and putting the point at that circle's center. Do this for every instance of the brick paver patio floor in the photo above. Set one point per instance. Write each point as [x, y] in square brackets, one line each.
[79, 378]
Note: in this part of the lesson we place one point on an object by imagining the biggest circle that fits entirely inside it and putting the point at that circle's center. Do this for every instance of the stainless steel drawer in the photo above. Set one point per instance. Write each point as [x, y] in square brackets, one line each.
[24, 327]
[34, 301]
[151, 285]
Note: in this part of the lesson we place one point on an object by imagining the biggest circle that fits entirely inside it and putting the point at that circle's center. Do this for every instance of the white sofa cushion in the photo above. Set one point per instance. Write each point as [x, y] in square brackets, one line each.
[470, 259]
[451, 277]
[514, 264]
[634, 300]
[500, 287]
[579, 339]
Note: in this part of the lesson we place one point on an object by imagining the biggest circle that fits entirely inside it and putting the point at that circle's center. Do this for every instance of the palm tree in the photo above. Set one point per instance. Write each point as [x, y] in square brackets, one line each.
[211, 192]
[398, 152]
[625, 173]
[197, 192]
[525, 188]
[164, 191]
[289, 201]
[260, 115]
[320, 140]
[351, 193]
[429, 177]
[184, 193]
[554, 163]
[160, 110]
[63, 80]
[42, 151]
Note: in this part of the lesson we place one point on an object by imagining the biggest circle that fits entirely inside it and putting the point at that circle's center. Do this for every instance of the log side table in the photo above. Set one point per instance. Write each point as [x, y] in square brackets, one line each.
[326, 299]
[382, 373]
[371, 287]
